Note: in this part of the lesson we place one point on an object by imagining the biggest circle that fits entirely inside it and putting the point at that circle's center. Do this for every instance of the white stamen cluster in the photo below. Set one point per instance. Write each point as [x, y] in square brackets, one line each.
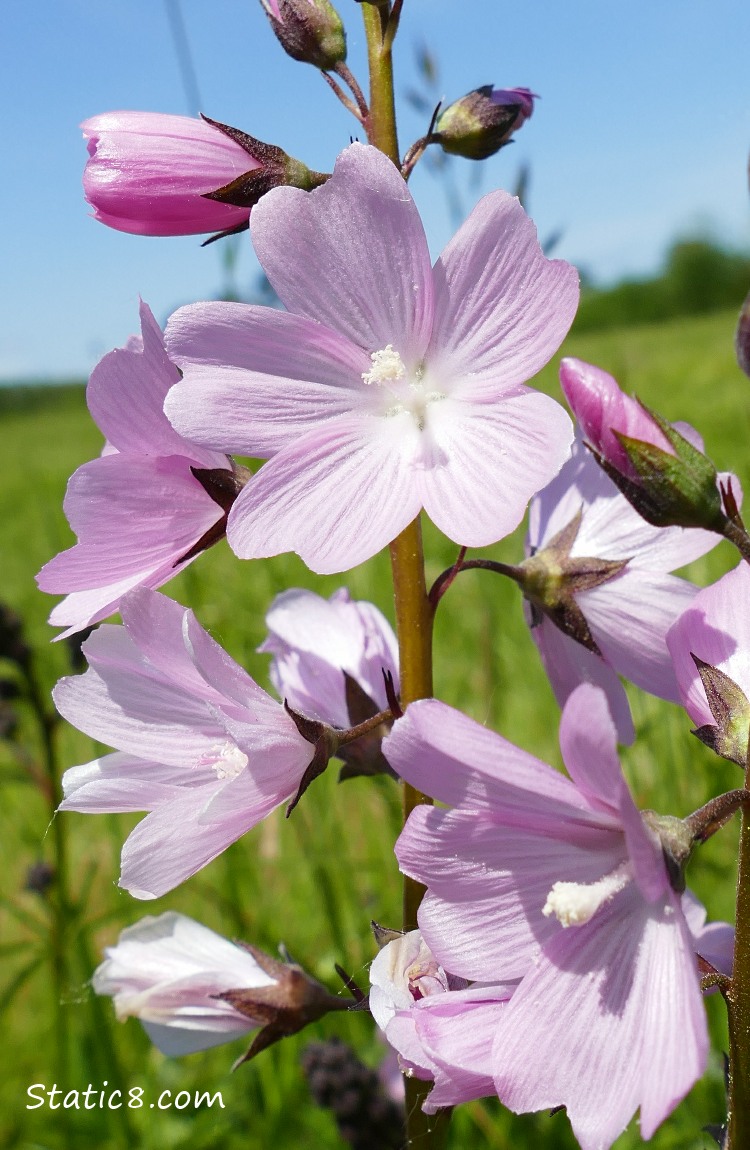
[387, 366]
[230, 761]
[574, 903]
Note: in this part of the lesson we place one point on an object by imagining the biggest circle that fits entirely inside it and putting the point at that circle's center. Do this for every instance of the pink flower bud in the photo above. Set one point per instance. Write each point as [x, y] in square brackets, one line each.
[604, 411]
[483, 121]
[310, 31]
[148, 173]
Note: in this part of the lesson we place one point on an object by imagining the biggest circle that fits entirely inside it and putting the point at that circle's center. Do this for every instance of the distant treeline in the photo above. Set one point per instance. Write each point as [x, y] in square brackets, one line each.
[699, 277]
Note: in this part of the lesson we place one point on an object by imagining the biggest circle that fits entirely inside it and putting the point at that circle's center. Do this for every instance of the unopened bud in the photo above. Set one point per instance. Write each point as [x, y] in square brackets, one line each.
[482, 121]
[308, 30]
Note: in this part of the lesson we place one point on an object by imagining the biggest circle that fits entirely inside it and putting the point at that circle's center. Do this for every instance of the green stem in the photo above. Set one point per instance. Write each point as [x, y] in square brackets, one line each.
[413, 609]
[737, 535]
[737, 997]
[381, 122]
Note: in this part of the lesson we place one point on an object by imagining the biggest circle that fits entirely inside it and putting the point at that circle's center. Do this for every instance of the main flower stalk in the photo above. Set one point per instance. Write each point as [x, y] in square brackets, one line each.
[737, 998]
[413, 611]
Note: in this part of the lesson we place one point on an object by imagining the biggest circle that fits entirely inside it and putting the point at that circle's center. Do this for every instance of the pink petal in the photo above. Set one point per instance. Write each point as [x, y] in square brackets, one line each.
[716, 628]
[123, 782]
[171, 844]
[351, 254]
[256, 378]
[615, 1001]
[629, 619]
[450, 757]
[489, 460]
[569, 663]
[126, 393]
[337, 497]
[501, 308]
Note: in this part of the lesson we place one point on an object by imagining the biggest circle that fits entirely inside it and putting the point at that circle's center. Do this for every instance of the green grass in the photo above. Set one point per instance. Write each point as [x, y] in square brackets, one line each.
[314, 881]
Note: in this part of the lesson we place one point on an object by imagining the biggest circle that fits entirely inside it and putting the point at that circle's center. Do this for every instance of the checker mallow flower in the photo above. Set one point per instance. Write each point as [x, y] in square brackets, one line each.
[150, 503]
[330, 658]
[388, 385]
[600, 596]
[169, 971]
[562, 884]
[198, 744]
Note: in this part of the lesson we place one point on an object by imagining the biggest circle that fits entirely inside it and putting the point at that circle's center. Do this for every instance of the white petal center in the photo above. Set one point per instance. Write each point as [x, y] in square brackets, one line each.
[574, 903]
[402, 391]
[229, 761]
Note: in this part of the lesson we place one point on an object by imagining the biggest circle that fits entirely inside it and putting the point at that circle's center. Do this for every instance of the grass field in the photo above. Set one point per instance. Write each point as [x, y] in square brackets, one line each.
[314, 881]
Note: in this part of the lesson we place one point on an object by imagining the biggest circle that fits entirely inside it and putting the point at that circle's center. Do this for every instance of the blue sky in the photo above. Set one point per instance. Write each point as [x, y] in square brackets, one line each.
[642, 133]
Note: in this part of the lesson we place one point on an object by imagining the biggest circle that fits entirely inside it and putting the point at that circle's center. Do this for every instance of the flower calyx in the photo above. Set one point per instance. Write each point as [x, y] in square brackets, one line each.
[677, 488]
[223, 484]
[551, 577]
[678, 837]
[329, 741]
[310, 31]
[730, 708]
[291, 1002]
[277, 169]
[363, 756]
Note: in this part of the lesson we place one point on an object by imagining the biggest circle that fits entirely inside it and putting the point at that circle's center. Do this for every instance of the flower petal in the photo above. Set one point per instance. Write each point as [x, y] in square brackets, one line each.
[501, 308]
[337, 497]
[351, 254]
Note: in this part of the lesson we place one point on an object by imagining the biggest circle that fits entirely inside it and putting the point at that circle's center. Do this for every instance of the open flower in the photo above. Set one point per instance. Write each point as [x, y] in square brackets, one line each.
[562, 884]
[600, 594]
[149, 504]
[388, 386]
[169, 972]
[148, 173]
[199, 744]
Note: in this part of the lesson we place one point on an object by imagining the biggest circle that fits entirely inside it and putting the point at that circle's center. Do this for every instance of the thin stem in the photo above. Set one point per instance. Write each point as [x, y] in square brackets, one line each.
[444, 581]
[381, 123]
[344, 71]
[364, 728]
[737, 535]
[342, 96]
[737, 997]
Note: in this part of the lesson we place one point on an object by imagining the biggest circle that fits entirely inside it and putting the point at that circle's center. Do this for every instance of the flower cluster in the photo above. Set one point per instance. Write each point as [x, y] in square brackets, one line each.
[559, 956]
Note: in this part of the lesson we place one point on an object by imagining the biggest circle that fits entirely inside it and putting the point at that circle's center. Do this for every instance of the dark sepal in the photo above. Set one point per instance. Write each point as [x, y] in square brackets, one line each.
[223, 485]
[246, 190]
[730, 707]
[267, 154]
[235, 231]
[384, 934]
[363, 756]
[326, 744]
[293, 1001]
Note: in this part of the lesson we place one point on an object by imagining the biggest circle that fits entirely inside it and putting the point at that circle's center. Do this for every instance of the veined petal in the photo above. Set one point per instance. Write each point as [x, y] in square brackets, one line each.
[616, 1000]
[448, 756]
[569, 663]
[629, 619]
[256, 378]
[336, 497]
[123, 782]
[493, 458]
[501, 308]
[171, 843]
[716, 628]
[319, 252]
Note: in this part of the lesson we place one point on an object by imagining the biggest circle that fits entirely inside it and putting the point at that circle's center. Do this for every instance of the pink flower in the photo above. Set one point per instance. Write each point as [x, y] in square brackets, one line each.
[562, 884]
[318, 643]
[388, 386]
[168, 971]
[140, 511]
[148, 173]
[715, 690]
[603, 410]
[601, 598]
[199, 744]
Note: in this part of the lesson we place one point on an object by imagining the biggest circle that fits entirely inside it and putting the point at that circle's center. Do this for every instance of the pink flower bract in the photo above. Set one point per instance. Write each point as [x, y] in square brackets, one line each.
[388, 385]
